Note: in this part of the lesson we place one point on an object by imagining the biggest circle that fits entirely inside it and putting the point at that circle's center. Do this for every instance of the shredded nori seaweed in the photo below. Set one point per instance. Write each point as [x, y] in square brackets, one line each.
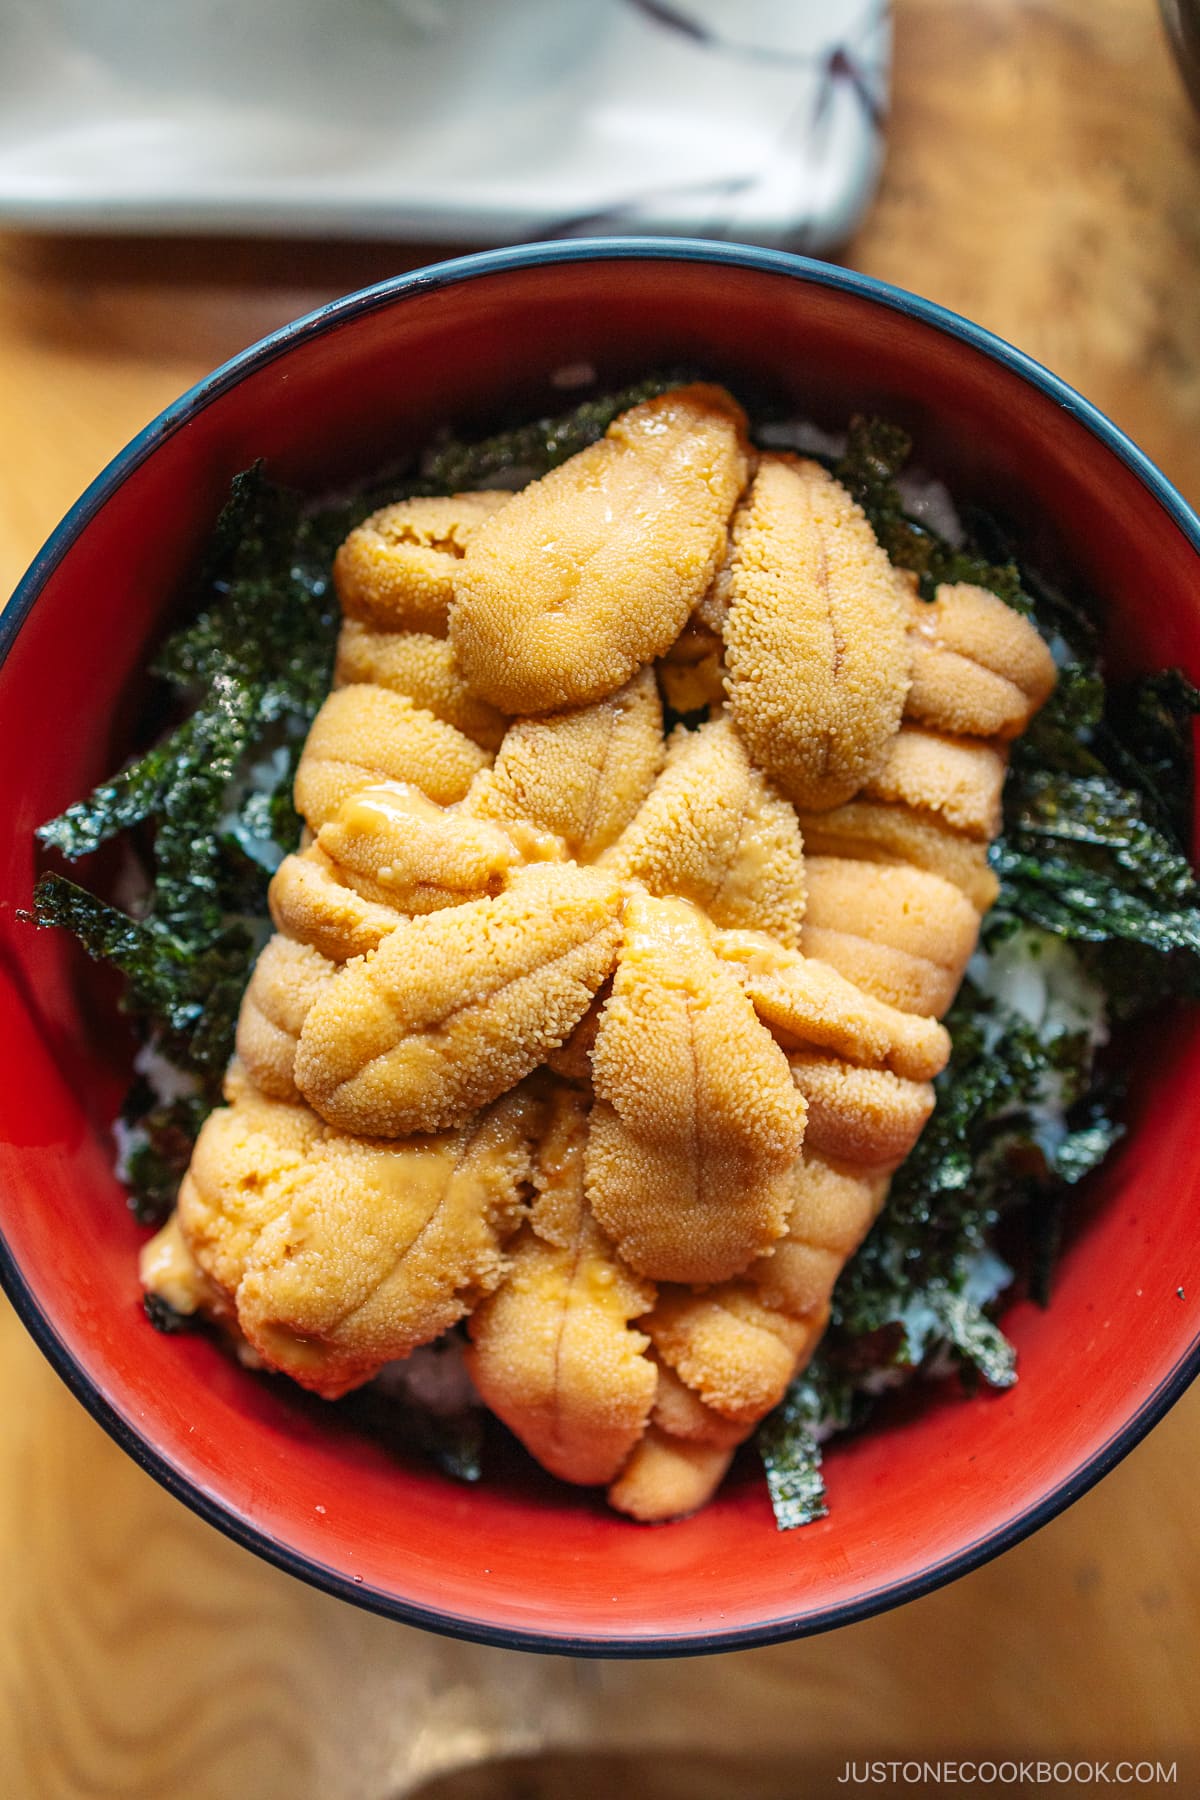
[164, 1318]
[819, 1402]
[875, 456]
[530, 450]
[247, 675]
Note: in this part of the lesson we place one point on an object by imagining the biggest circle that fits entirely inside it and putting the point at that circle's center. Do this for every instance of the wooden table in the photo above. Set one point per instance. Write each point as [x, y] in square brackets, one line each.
[1044, 178]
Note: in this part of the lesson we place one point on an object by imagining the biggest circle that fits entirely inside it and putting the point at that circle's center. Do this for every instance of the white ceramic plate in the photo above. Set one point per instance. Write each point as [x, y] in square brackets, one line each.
[459, 120]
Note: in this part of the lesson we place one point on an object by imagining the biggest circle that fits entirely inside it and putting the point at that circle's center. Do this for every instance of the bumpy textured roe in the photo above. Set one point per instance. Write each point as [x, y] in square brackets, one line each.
[978, 668]
[455, 1007]
[554, 1353]
[592, 571]
[580, 774]
[725, 1355]
[697, 1120]
[422, 667]
[396, 571]
[366, 734]
[287, 978]
[805, 1001]
[958, 780]
[337, 1255]
[506, 867]
[714, 831]
[887, 831]
[899, 933]
[815, 636]
[386, 853]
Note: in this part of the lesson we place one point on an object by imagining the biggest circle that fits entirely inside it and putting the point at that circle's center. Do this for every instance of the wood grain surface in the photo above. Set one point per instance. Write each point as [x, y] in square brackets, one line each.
[1043, 177]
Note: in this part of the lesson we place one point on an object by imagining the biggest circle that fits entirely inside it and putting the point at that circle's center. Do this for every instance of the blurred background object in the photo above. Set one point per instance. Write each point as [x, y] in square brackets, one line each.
[492, 120]
[1182, 20]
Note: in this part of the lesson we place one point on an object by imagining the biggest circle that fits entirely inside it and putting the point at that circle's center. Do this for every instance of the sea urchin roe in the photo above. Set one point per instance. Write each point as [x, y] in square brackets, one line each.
[387, 852]
[978, 668]
[398, 849]
[736, 1353]
[168, 1270]
[366, 734]
[833, 1207]
[725, 1356]
[592, 571]
[244, 1162]
[958, 779]
[714, 831]
[581, 774]
[815, 636]
[505, 867]
[424, 668]
[553, 1351]
[456, 1007]
[807, 1002]
[883, 831]
[396, 570]
[311, 902]
[340, 1255]
[865, 1116]
[574, 1061]
[668, 1477]
[691, 673]
[680, 1413]
[696, 1121]
[287, 978]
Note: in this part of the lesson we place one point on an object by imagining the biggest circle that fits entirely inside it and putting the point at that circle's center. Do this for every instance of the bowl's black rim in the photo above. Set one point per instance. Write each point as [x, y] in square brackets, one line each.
[38, 1322]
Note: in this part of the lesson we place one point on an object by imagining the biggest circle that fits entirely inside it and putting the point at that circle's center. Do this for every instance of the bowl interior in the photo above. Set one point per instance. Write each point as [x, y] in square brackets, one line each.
[522, 1559]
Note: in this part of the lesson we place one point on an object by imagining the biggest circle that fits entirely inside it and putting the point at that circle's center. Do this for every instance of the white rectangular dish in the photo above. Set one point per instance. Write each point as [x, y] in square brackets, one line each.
[455, 120]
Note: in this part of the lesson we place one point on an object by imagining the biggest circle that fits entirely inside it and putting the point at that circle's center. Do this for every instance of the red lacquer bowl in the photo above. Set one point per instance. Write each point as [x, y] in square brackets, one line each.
[522, 1560]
